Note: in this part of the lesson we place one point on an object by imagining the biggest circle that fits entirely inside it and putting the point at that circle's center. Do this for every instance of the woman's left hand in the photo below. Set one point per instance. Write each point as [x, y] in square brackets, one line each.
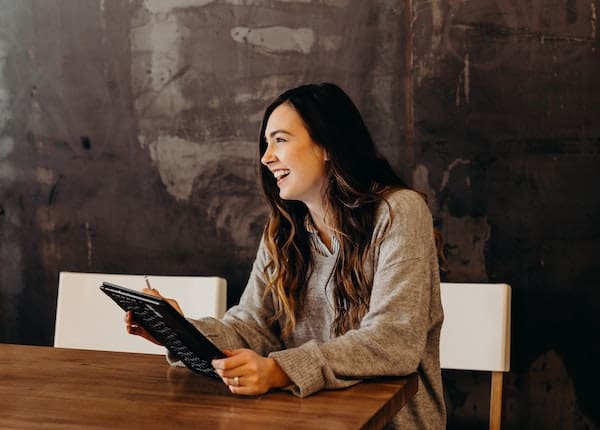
[246, 372]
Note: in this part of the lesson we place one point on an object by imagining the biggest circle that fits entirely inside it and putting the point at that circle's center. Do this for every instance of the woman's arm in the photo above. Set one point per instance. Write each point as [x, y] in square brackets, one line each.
[246, 324]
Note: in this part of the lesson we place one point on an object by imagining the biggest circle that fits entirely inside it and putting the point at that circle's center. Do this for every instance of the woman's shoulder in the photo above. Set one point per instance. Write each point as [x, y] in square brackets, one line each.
[403, 222]
[404, 200]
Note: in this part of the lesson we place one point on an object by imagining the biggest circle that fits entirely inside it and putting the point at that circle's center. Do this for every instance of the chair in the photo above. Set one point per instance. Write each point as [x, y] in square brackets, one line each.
[476, 334]
[86, 318]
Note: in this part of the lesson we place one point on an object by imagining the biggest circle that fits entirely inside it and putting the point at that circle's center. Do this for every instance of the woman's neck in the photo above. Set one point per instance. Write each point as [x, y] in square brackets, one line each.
[323, 225]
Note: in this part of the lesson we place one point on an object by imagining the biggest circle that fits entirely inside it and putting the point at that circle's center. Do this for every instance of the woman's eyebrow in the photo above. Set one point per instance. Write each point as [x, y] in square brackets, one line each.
[274, 132]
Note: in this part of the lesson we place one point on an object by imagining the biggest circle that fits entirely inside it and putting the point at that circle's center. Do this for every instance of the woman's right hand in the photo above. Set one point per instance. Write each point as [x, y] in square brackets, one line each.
[135, 329]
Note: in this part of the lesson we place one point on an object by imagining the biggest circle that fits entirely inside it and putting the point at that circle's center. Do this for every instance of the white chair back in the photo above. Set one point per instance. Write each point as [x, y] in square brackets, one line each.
[86, 318]
[476, 330]
[476, 334]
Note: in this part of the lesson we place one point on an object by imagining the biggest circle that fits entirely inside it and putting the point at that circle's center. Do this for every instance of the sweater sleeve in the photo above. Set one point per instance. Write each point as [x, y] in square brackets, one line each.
[392, 335]
[245, 325]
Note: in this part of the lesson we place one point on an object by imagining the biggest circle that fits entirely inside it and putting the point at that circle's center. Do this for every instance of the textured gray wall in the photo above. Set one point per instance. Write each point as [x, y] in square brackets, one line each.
[128, 144]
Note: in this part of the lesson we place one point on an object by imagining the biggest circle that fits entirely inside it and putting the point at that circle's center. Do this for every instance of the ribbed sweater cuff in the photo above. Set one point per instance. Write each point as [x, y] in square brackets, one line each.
[303, 365]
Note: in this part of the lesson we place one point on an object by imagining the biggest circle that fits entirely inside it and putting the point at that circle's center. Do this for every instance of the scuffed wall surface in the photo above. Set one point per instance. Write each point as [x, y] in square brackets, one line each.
[12, 218]
[507, 122]
[128, 138]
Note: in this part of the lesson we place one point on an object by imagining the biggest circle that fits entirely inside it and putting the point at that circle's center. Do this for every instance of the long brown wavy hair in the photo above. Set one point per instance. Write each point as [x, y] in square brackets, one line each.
[358, 180]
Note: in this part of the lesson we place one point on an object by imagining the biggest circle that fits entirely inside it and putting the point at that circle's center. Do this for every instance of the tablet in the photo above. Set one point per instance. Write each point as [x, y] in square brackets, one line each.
[169, 327]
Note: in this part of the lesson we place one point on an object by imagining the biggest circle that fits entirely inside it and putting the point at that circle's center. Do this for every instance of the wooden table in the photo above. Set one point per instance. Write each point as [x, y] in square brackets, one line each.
[54, 388]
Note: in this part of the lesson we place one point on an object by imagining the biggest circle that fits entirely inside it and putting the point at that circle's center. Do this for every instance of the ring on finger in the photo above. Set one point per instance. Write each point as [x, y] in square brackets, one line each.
[236, 381]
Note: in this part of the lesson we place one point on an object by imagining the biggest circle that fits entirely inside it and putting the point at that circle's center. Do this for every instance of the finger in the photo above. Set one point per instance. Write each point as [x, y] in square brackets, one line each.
[130, 318]
[152, 291]
[129, 321]
[142, 332]
[235, 358]
[230, 363]
[240, 382]
[233, 381]
[246, 391]
[241, 372]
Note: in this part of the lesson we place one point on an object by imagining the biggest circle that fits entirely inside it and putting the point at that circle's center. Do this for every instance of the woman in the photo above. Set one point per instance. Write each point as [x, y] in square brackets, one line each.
[345, 285]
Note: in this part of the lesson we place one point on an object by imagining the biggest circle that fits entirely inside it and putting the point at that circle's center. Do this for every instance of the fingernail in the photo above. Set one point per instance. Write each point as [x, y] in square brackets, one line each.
[216, 363]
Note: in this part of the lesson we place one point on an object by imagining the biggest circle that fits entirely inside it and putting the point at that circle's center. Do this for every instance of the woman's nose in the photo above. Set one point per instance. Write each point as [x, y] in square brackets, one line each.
[268, 155]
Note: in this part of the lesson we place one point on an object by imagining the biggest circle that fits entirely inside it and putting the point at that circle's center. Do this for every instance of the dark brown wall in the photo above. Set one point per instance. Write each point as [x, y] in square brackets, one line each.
[128, 144]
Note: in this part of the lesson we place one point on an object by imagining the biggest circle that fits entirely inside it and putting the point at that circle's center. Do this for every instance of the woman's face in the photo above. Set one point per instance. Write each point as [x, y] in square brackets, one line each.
[296, 161]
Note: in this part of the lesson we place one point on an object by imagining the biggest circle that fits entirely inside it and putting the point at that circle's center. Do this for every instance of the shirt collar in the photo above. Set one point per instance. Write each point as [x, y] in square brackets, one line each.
[310, 227]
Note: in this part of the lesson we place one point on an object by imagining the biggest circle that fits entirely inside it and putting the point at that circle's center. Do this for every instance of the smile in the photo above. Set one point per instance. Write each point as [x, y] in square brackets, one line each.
[281, 174]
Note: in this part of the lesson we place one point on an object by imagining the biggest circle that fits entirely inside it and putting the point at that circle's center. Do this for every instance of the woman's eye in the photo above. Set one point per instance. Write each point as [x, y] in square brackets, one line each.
[279, 139]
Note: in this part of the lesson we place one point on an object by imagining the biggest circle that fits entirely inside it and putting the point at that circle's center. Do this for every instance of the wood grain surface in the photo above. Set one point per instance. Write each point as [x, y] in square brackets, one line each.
[53, 388]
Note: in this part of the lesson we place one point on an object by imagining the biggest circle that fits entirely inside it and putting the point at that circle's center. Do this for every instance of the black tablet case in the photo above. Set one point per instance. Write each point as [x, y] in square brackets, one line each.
[168, 327]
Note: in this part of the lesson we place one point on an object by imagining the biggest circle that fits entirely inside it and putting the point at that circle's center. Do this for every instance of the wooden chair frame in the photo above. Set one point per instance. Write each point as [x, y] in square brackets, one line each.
[476, 335]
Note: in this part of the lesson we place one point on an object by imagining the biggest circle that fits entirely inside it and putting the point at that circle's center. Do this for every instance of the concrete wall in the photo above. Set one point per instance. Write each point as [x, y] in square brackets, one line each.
[128, 144]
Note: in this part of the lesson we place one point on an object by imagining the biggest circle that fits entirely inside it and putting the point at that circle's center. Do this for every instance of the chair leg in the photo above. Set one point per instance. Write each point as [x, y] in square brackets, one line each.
[496, 401]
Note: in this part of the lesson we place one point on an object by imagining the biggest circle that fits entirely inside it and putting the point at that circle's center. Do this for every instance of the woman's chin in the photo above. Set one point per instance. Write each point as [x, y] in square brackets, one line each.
[285, 195]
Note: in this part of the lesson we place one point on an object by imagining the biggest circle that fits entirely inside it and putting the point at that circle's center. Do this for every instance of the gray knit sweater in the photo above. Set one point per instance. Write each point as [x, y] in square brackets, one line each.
[399, 335]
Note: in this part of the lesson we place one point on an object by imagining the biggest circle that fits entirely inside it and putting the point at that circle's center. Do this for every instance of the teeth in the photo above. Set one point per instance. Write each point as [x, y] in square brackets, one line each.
[279, 173]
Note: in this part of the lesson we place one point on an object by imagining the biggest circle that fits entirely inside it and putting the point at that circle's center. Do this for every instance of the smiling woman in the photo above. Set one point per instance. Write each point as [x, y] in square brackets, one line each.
[345, 285]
